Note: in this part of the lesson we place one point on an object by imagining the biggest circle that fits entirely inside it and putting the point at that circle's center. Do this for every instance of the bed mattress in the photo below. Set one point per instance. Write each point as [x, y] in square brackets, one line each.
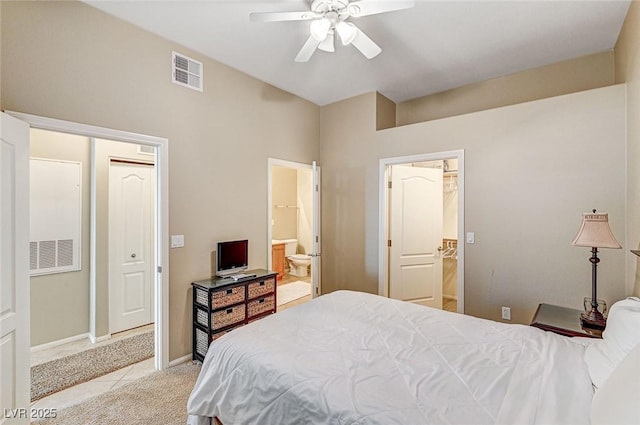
[356, 358]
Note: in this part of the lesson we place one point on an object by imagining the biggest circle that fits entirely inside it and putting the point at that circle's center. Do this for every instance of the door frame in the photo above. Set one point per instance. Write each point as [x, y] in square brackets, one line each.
[161, 277]
[383, 217]
[316, 218]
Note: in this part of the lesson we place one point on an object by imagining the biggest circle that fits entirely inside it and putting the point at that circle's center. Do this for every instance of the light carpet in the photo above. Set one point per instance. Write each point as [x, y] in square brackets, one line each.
[292, 291]
[57, 375]
[159, 398]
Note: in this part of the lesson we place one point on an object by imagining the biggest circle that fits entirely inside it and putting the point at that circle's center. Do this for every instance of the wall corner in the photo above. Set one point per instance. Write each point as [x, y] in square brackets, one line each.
[385, 112]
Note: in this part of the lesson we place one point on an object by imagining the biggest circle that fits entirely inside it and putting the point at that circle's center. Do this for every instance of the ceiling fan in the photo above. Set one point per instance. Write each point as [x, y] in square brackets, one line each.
[329, 17]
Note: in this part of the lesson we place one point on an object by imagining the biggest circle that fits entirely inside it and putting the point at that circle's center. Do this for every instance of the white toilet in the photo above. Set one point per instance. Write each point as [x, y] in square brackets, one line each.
[298, 263]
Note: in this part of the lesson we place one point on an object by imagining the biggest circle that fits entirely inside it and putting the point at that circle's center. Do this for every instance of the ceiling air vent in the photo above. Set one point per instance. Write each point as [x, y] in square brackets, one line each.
[187, 72]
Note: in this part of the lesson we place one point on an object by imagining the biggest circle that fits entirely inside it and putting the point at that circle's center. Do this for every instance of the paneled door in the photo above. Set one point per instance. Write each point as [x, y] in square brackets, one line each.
[14, 271]
[131, 256]
[415, 229]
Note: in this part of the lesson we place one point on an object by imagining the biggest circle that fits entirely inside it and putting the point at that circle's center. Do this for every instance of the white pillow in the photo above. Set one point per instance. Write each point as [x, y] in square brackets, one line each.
[617, 401]
[618, 339]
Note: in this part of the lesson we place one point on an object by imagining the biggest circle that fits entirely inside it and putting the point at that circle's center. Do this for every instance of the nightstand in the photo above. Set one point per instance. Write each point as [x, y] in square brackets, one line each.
[562, 320]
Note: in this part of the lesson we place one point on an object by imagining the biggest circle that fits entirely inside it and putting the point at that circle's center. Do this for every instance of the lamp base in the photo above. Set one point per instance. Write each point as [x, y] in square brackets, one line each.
[593, 319]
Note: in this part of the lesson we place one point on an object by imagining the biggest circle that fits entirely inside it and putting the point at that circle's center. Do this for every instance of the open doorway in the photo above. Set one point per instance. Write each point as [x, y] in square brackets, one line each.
[421, 221]
[94, 198]
[293, 231]
[160, 249]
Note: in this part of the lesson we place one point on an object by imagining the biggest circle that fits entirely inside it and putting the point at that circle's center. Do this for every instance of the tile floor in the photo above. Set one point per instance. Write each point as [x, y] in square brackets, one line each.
[102, 384]
[287, 278]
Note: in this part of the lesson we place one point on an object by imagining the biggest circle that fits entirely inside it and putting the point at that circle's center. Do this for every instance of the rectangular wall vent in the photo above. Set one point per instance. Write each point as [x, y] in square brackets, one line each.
[186, 72]
[51, 256]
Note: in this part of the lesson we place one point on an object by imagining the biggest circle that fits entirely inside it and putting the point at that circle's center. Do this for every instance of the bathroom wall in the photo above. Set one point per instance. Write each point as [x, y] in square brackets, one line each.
[284, 198]
[305, 211]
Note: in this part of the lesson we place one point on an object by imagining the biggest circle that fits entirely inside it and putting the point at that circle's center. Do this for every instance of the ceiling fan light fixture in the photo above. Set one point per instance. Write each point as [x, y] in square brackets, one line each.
[347, 32]
[320, 29]
[327, 45]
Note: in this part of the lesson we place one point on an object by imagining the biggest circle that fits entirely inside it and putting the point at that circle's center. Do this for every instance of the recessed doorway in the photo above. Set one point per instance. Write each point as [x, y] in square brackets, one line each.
[421, 221]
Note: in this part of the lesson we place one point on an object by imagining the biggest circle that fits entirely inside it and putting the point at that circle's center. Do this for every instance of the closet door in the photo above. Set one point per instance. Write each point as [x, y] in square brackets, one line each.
[415, 255]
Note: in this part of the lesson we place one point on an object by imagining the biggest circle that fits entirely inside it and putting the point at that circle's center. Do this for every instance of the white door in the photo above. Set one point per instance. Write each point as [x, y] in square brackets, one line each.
[131, 261]
[316, 255]
[415, 229]
[14, 271]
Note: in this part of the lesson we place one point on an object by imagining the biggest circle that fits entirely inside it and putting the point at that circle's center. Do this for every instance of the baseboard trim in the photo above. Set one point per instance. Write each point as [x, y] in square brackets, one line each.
[52, 344]
[180, 360]
[95, 340]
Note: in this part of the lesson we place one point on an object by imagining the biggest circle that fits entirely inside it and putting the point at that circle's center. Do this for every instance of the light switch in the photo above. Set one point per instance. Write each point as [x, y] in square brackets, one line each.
[177, 241]
[471, 237]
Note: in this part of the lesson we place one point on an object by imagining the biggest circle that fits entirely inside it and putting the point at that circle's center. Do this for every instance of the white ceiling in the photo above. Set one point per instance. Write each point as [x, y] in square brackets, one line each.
[435, 46]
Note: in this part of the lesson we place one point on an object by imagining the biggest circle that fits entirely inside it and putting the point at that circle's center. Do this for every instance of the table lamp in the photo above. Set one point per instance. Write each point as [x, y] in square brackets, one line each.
[595, 233]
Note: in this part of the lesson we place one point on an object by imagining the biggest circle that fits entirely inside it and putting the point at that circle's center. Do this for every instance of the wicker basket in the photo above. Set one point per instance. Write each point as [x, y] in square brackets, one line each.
[201, 296]
[223, 318]
[202, 342]
[263, 287]
[261, 305]
[219, 334]
[227, 297]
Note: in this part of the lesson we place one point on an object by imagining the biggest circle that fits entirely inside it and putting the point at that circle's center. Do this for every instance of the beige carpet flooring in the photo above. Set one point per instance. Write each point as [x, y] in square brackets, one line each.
[56, 375]
[159, 398]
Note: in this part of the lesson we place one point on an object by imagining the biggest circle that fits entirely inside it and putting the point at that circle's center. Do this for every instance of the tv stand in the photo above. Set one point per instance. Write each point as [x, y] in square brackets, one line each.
[222, 304]
[241, 276]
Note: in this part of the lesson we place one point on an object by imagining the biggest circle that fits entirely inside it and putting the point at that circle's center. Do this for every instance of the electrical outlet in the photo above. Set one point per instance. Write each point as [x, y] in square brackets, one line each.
[506, 313]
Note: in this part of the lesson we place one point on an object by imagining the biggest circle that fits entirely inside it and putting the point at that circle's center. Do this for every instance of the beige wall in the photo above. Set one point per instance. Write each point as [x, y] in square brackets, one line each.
[628, 71]
[284, 197]
[60, 301]
[531, 170]
[69, 61]
[565, 77]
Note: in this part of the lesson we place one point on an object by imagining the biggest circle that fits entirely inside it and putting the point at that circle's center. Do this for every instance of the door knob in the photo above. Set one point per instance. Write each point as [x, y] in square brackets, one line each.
[133, 255]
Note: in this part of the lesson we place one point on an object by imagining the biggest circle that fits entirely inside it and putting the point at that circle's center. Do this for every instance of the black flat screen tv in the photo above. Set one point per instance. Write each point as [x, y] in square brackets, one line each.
[232, 256]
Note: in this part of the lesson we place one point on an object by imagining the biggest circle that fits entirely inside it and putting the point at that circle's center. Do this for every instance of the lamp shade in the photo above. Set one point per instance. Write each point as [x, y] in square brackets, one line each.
[595, 232]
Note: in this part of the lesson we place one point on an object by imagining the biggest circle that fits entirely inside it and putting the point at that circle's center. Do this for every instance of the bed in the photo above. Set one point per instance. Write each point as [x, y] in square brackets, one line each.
[356, 358]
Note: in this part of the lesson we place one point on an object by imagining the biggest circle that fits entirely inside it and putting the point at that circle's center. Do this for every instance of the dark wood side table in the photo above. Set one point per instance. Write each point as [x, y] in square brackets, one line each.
[562, 320]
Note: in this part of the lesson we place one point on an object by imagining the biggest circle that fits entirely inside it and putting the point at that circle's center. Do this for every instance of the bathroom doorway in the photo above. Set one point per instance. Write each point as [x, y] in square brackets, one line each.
[421, 221]
[293, 231]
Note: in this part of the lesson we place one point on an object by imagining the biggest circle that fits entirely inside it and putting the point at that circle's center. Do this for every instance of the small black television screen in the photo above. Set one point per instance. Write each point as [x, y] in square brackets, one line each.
[232, 257]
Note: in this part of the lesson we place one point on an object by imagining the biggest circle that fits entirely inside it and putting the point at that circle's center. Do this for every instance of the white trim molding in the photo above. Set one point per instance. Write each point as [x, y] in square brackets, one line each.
[383, 228]
[162, 219]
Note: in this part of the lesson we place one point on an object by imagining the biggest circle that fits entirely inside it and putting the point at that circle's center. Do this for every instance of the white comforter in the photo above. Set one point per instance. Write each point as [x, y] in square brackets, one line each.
[355, 358]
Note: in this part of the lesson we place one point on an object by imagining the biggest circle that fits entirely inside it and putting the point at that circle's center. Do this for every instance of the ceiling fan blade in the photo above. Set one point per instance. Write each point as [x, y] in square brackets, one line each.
[304, 15]
[371, 7]
[307, 50]
[366, 46]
